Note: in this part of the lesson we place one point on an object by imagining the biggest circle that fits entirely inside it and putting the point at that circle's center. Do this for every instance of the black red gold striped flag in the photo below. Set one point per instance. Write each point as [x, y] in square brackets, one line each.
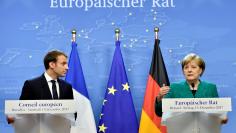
[150, 122]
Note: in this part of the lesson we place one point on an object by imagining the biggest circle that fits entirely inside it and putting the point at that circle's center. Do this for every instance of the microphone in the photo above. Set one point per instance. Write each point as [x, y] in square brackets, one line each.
[193, 90]
[193, 85]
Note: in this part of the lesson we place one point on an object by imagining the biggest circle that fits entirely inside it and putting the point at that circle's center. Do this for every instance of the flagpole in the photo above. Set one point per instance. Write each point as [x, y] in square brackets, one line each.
[117, 32]
[73, 32]
[156, 30]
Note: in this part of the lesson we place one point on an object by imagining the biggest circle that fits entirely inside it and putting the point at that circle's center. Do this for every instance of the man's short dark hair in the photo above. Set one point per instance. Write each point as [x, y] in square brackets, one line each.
[52, 57]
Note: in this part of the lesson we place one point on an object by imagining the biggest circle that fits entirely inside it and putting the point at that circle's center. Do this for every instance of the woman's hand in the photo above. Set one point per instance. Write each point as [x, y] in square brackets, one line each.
[163, 91]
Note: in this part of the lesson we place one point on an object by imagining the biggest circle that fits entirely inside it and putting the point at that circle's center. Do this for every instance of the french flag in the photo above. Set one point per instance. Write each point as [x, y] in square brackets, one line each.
[85, 122]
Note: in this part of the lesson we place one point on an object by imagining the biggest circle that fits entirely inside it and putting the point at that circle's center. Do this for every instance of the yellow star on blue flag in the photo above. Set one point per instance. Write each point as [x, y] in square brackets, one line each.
[102, 128]
[112, 90]
[125, 87]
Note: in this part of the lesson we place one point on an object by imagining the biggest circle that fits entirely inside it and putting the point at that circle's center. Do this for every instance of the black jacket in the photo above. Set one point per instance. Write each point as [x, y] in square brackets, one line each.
[38, 89]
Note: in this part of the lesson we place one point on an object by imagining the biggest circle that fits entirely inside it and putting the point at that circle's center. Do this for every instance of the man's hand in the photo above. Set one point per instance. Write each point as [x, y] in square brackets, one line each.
[10, 119]
[224, 121]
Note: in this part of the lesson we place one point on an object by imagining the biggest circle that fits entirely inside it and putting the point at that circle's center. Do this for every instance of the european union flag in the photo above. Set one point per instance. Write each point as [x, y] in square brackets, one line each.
[118, 113]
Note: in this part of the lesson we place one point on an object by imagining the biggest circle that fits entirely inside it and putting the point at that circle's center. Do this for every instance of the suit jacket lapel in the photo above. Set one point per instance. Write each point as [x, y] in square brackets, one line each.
[189, 93]
[60, 89]
[46, 94]
[200, 90]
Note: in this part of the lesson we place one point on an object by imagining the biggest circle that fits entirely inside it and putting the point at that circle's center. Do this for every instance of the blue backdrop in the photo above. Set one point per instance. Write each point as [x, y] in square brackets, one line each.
[28, 29]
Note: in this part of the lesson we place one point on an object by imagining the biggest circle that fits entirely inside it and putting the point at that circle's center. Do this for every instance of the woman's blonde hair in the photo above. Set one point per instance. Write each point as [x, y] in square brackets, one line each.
[193, 57]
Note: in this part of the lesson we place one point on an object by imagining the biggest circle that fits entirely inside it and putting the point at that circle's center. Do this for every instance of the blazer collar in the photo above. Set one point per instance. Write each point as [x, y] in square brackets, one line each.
[199, 88]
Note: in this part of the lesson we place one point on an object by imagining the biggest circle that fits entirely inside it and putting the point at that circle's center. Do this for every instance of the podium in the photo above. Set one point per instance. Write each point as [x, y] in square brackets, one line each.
[42, 123]
[192, 122]
[195, 118]
[38, 116]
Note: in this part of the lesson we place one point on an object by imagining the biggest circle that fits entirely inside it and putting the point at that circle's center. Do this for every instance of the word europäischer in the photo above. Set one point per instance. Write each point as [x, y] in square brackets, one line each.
[87, 4]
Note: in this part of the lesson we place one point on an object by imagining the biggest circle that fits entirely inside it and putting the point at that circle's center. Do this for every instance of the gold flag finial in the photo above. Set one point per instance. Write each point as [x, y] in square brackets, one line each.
[156, 30]
[73, 32]
[117, 32]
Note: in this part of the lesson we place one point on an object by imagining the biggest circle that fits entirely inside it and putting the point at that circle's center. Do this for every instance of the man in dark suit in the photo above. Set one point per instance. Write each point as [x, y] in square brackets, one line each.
[55, 63]
[48, 85]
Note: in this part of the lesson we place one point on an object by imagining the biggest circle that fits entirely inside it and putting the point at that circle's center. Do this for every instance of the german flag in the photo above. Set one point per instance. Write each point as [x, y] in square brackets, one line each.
[150, 122]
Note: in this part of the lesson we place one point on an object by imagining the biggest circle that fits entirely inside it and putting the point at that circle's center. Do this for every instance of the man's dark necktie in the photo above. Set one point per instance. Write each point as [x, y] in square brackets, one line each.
[54, 90]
